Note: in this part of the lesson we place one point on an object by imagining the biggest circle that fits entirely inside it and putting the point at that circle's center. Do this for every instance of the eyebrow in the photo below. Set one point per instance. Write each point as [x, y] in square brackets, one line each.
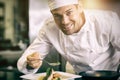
[56, 14]
[65, 11]
[68, 10]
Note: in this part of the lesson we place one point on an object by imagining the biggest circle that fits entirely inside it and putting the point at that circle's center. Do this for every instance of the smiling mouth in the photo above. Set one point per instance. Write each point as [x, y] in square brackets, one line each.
[67, 28]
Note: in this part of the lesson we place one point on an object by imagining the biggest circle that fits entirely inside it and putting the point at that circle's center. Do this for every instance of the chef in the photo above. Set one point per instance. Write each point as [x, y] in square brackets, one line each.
[87, 39]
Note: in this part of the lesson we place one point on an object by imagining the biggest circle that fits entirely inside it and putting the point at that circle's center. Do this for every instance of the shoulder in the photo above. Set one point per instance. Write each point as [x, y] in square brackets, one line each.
[49, 24]
[49, 27]
[103, 20]
[101, 15]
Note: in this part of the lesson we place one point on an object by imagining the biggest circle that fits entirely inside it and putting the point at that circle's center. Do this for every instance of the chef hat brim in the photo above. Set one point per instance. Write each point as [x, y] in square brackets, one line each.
[53, 4]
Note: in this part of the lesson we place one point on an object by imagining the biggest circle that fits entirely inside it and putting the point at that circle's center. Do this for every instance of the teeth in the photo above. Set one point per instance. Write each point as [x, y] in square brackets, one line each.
[68, 27]
[71, 26]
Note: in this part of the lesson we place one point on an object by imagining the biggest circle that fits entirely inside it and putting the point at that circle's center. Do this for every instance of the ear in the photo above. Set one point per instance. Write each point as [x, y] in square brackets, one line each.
[80, 7]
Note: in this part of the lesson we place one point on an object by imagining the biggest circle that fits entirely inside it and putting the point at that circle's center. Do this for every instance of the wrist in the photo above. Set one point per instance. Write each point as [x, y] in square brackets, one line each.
[29, 67]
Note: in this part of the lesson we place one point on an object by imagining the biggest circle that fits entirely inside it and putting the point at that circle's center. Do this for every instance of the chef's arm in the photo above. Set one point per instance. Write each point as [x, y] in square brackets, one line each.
[115, 35]
[115, 32]
[41, 45]
[23, 66]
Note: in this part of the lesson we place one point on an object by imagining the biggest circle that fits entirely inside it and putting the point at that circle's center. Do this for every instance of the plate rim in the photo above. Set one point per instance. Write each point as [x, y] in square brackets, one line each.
[36, 75]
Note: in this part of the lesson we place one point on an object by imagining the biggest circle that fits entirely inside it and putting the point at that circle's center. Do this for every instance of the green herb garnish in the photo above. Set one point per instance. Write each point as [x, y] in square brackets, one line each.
[48, 73]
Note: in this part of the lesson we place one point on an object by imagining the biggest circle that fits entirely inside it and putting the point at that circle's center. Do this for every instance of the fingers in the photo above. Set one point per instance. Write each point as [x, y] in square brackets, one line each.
[34, 63]
[33, 56]
[33, 60]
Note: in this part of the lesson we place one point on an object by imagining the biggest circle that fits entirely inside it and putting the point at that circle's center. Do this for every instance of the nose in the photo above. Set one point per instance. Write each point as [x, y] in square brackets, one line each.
[65, 20]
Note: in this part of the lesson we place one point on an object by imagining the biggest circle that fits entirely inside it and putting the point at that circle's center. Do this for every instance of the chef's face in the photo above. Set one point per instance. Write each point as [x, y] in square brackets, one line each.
[69, 18]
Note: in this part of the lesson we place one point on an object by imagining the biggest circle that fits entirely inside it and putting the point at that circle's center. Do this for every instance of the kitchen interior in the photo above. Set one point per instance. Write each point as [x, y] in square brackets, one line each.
[20, 21]
[13, 36]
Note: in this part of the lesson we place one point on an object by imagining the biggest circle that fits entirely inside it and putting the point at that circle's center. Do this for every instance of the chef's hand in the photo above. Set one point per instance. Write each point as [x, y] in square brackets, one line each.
[33, 60]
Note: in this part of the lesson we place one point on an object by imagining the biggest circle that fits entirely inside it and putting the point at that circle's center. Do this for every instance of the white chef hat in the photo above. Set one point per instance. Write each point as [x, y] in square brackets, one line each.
[53, 4]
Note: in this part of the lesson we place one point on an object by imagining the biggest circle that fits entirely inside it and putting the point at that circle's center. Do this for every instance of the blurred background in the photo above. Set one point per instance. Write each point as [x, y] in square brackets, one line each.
[20, 21]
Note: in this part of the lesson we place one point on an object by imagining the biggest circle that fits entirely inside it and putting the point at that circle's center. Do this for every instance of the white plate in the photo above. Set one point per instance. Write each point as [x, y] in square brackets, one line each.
[36, 76]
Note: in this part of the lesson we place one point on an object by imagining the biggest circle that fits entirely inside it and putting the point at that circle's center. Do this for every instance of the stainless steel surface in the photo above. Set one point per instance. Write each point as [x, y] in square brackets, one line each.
[53, 64]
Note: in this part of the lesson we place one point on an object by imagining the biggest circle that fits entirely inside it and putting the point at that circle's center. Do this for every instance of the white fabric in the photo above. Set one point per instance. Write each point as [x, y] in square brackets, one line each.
[95, 47]
[53, 4]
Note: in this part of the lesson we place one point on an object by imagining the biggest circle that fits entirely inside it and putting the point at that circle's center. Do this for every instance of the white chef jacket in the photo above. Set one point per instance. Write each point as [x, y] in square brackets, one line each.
[95, 47]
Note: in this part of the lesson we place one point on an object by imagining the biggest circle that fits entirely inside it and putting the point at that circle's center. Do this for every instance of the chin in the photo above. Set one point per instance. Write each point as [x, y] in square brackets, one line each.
[68, 33]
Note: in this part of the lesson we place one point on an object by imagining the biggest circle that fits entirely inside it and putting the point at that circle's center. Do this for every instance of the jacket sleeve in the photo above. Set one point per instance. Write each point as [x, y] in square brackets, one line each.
[41, 44]
[115, 35]
[115, 32]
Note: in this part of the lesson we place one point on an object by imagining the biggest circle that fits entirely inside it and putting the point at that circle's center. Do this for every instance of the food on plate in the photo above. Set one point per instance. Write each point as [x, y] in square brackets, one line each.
[52, 75]
[41, 78]
[56, 76]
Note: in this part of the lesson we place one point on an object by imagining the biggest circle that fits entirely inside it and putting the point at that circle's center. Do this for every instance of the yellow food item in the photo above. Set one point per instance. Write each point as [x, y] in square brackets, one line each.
[54, 76]
[41, 78]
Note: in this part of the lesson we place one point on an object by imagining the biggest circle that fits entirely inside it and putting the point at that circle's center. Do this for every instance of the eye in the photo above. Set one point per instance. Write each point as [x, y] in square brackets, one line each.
[69, 13]
[56, 16]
